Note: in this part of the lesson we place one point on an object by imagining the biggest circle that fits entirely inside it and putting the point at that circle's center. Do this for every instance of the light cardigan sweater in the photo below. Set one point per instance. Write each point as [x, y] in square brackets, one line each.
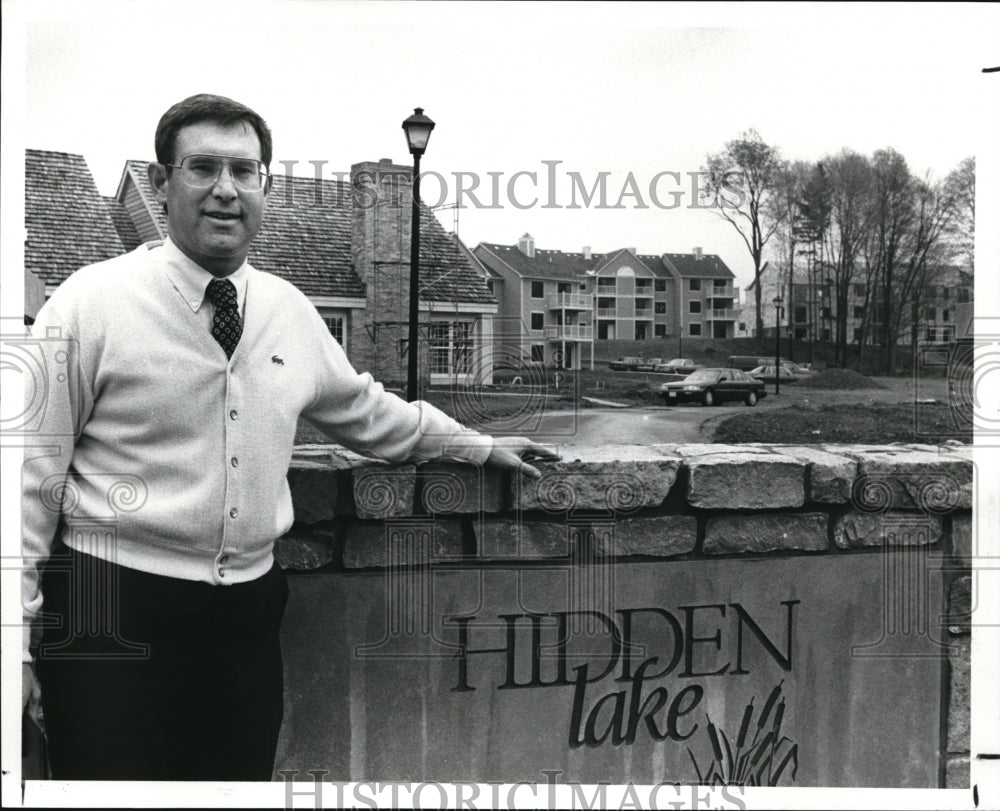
[161, 455]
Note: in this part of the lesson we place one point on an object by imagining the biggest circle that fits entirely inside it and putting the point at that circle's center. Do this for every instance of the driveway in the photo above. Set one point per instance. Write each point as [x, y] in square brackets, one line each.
[617, 426]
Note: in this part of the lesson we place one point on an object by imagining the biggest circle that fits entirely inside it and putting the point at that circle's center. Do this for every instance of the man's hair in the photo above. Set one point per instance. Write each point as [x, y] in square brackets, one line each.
[206, 107]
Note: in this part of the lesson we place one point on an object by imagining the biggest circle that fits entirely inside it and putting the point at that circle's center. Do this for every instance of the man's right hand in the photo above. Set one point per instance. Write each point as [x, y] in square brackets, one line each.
[31, 693]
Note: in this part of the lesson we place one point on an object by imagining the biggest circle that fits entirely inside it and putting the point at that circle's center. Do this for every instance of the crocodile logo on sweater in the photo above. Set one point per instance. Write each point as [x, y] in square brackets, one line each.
[277, 360]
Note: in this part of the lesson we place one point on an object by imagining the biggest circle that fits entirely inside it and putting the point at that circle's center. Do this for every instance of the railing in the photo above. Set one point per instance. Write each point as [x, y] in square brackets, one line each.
[577, 332]
[723, 315]
[607, 312]
[729, 291]
[573, 301]
[643, 312]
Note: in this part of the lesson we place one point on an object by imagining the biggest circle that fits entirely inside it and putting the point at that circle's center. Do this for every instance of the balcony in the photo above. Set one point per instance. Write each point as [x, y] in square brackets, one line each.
[729, 314]
[570, 301]
[570, 332]
[643, 312]
[607, 312]
[728, 291]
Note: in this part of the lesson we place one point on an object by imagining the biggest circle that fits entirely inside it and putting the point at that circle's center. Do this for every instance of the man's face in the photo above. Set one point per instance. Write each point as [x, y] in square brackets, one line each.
[212, 226]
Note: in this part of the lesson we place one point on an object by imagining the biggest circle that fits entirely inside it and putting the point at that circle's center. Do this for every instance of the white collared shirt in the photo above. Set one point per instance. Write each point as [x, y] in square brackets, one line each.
[191, 280]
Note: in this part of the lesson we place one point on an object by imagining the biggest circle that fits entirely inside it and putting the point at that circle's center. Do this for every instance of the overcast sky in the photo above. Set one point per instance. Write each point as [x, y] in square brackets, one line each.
[620, 88]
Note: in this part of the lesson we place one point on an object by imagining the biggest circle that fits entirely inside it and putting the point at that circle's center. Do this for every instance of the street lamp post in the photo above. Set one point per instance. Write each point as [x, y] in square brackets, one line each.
[778, 301]
[418, 132]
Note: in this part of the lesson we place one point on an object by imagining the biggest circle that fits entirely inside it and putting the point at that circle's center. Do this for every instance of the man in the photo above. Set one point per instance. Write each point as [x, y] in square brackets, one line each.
[164, 489]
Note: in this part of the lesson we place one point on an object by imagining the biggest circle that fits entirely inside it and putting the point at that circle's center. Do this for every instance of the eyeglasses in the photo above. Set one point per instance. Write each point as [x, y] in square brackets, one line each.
[203, 171]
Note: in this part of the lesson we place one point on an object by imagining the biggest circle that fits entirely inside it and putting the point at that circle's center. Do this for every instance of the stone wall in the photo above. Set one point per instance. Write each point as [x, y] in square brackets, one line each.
[891, 513]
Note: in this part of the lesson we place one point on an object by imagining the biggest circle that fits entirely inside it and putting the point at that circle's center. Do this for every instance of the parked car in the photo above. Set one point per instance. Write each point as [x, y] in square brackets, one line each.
[678, 366]
[746, 362]
[626, 364]
[711, 386]
[797, 369]
[766, 374]
[648, 364]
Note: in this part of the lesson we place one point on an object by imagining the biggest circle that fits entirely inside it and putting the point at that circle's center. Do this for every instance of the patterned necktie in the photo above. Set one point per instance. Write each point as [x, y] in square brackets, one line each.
[226, 325]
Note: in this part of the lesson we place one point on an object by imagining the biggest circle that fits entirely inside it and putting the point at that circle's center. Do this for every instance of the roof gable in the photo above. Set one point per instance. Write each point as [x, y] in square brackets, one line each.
[67, 222]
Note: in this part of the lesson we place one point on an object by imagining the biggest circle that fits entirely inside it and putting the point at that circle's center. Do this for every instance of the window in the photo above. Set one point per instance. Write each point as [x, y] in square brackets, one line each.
[931, 334]
[660, 330]
[694, 307]
[607, 283]
[945, 315]
[826, 335]
[859, 312]
[450, 347]
[538, 321]
[643, 284]
[800, 315]
[335, 323]
[660, 308]
[661, 286]
[538, 289]
[931, 314]
[946, 293]
[538, 353]
[826, 312]
[694, 284]
[857, 336]
[859, 290]
[563, 287]
[694, 329]
[489, 285]
[719, 284]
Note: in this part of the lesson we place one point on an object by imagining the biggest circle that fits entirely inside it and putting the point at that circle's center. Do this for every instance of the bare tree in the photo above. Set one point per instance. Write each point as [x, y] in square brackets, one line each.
[847, 190]
[742, 179]
[960, 186]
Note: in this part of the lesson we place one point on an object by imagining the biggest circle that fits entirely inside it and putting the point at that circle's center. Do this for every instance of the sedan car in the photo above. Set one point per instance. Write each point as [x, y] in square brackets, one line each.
[626, 364]
[648, 364]
[711, 386]
[678, 366]
[766, 374]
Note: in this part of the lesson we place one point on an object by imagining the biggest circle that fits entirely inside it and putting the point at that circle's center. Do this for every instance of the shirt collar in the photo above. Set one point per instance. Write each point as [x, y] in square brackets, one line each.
[191, 279]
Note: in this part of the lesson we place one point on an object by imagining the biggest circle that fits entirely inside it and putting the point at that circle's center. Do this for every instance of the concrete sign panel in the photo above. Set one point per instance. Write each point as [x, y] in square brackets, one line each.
[796, 671]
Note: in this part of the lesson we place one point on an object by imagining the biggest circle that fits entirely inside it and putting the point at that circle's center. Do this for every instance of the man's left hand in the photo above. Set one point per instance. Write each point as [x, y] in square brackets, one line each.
[512, 453]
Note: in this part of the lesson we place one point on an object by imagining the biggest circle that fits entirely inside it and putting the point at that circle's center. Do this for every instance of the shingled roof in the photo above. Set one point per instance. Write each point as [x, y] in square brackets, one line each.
[123, 225]
[553, 264]
[68, 223]
[709, 266]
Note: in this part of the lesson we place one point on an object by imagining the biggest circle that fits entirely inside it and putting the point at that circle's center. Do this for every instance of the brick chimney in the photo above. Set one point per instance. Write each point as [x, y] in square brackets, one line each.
[587, 253]
[380, 251]
[526, 245]
[697, 254]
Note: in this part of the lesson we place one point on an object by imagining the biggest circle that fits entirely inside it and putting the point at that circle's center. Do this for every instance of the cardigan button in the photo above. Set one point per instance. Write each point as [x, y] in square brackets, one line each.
[233, 512]
[233, 414]
[222, 572]
[224, 559]
[234, 462]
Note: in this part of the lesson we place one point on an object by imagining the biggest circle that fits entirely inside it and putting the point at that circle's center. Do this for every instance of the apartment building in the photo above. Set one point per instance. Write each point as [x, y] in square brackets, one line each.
[559, 304]
[943, 309]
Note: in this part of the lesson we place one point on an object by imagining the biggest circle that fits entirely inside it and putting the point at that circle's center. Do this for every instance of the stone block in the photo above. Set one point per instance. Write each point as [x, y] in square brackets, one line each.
[694, 450]
[660, 537]
[383, 491]
[416, 542]
[303, 549]
[725, 534]
[314, 487]
[897, 528]
[622, 478]
[912, 479]
[957, 774]
[961, 537]
[959, 620]
[734, 481]
[830, 476]
[456, 488]
[507, 538]
[958, 697]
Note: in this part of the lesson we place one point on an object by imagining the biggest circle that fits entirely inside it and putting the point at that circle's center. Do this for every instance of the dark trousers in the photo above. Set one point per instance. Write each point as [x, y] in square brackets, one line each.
[153, 678]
